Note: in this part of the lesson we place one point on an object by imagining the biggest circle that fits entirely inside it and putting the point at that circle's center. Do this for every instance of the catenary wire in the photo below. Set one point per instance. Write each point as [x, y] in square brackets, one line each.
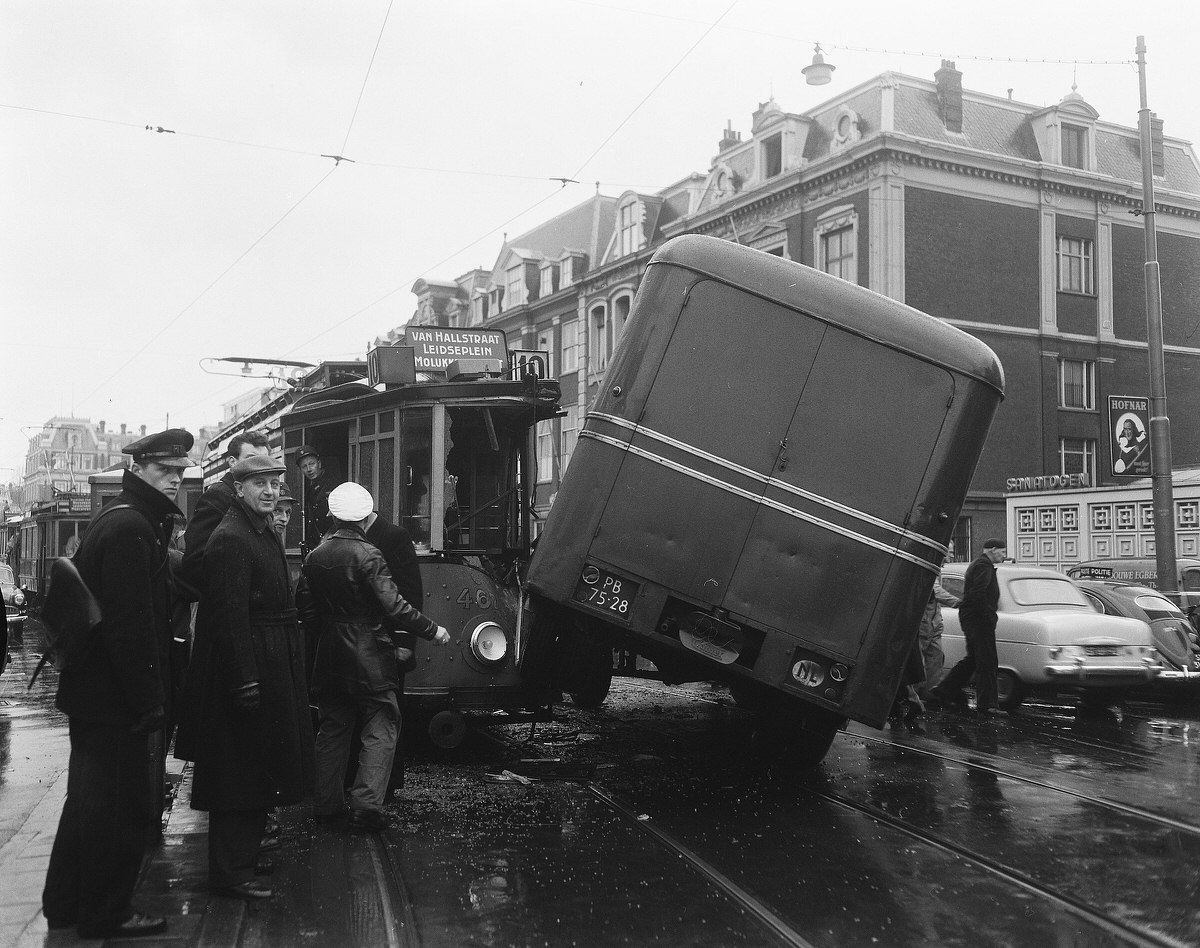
[363, 88]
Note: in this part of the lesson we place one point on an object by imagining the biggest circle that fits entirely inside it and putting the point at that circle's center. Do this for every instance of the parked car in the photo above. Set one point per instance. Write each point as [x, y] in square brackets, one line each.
[1050, 638]
[14, 599]
[1177, 643]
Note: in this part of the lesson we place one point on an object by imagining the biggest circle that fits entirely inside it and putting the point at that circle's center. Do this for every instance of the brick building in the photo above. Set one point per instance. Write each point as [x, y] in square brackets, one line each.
[1014, 222]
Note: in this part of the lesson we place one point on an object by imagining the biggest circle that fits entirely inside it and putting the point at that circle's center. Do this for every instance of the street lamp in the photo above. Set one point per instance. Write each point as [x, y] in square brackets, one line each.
[818, 72]
[1160, 425]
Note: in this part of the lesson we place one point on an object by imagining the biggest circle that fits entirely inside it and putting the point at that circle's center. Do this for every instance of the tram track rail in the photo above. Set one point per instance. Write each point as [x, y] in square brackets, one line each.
[1098, 914]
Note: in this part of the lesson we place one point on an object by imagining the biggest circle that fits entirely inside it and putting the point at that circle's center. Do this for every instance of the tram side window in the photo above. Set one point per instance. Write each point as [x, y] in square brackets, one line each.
[416, 432]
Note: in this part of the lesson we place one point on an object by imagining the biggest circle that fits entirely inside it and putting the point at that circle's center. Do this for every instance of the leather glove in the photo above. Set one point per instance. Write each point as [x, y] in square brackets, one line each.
[151, 721]
[246, 699]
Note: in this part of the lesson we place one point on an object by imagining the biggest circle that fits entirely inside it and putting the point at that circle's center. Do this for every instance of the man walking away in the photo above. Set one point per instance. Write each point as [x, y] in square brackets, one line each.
[977, 615]
[347, 590]
[116, 694]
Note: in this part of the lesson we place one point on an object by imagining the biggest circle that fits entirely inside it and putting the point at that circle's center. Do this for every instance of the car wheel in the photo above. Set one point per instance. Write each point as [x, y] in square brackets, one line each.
[1009, 690]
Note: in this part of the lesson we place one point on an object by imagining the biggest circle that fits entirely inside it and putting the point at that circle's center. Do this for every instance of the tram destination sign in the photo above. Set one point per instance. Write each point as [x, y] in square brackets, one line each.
[435, 348]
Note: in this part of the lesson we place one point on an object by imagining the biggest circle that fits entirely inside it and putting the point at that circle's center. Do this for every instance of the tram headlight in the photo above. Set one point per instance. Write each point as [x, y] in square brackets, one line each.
[489, 644]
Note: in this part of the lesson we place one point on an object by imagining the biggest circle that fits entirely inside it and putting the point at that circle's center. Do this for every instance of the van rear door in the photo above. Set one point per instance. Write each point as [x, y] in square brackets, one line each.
[858, 448]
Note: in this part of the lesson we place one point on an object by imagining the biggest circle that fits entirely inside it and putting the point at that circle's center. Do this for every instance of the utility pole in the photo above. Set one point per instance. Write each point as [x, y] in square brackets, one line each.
[1160, 424]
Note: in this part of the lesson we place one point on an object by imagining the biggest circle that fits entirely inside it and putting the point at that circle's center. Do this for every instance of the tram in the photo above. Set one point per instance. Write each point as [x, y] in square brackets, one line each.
[54, 528]
[767, 485]
[449, 455]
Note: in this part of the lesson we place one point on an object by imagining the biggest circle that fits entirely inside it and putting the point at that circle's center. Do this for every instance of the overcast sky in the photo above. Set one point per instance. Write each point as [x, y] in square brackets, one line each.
[128, 256]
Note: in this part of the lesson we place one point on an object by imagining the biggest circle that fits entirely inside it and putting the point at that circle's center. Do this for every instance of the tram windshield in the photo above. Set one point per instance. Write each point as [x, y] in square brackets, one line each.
[462, 476]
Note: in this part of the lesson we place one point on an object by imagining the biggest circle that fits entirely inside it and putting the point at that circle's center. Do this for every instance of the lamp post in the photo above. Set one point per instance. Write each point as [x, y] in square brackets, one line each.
[1160, 425]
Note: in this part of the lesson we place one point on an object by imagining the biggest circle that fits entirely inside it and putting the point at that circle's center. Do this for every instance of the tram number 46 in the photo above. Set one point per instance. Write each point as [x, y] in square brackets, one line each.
[481, 599]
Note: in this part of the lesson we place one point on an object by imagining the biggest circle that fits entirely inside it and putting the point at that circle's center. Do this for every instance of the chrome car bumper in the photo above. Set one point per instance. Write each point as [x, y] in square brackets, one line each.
[1106, 674]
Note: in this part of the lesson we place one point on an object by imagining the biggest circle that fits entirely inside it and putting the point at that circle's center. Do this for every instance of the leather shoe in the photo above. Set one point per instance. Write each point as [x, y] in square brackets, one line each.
[268, 844]
[135, 926]
[246, 890]
[373, 821]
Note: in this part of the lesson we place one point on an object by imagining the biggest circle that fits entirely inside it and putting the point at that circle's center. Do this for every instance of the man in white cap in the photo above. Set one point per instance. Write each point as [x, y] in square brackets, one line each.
[348, 592]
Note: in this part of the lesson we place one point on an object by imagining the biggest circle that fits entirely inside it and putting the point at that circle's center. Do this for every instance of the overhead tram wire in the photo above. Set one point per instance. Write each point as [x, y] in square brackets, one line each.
[366, 76]
[654, 89]
[178, 316]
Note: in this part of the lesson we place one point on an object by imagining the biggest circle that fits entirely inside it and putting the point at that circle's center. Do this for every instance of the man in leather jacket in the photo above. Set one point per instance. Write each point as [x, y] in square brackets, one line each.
[347, 590]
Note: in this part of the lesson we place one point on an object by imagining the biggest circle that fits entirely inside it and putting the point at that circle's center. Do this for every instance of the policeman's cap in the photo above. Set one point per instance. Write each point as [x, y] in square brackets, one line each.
[285, 495]
[169, 448]
[307, 451]
[254, 465]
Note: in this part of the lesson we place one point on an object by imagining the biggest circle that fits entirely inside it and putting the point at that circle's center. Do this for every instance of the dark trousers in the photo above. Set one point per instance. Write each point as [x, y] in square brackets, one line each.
[103, 830]
[233, 840]
[980, 661]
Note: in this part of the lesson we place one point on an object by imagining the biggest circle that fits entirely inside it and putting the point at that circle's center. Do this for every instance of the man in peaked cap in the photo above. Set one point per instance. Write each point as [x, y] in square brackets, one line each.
[117, 693]
[318, 484]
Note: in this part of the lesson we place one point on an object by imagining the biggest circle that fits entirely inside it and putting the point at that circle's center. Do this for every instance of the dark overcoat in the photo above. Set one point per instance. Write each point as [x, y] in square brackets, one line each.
[349, 594]
[400, 555]
[246, 631]
[210, 511]
[124, 671]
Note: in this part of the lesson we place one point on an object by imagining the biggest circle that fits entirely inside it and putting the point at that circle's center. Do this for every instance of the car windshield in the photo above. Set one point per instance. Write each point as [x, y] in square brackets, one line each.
[1156, 607]
[6, 575]
[1046, 591]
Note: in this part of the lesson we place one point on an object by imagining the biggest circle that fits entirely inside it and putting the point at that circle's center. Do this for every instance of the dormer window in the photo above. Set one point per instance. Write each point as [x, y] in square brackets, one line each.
[630, 226]
[515, 285]
[772, 156]
[1074, 146]
[564, 273]
[548, 280]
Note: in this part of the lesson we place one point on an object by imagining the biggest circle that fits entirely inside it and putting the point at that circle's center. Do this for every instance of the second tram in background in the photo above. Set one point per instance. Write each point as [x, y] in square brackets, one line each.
[766, 487]
[452, 460]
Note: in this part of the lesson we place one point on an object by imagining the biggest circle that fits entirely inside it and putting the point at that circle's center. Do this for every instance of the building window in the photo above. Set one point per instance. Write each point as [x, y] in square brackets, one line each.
[545, 452]
[1077, 456]
[1075, 265]
[479, 309]
[1074, 146]
[620, 314]
[545, 343]
[772, 155]
[837, 253]
[960, 543]
[515, 286]
[598, 349]
[836, 236]
[630, 239]
[570, 436]
[570, 344]
[1076, 384]
[564, 273]
[548, 283]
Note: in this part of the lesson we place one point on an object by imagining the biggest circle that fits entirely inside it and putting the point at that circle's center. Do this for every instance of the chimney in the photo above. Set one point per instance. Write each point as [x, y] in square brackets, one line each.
[143, 431]
[949, 92]
[122, 427]
[730, 137]
[102, 426]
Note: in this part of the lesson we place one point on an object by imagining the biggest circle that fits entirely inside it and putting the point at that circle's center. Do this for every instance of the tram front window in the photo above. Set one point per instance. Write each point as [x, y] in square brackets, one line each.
[417, 438]
[480, 480]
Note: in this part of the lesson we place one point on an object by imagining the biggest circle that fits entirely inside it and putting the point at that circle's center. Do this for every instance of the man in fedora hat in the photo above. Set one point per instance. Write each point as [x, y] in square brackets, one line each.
[116, 693]
[245, 718]
[214, 502]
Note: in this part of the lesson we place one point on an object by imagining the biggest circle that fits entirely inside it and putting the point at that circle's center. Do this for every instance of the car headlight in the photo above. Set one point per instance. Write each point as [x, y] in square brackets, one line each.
[18, 598]
[489, 644]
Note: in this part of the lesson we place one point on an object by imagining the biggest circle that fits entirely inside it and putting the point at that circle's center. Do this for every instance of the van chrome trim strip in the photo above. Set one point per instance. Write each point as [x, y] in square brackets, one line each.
[772, 482]
[765, 501]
